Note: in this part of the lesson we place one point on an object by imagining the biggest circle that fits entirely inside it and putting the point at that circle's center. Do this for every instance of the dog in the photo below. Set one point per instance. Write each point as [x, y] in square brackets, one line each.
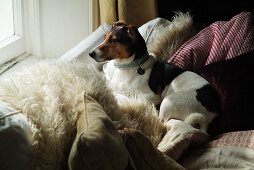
[131, 71]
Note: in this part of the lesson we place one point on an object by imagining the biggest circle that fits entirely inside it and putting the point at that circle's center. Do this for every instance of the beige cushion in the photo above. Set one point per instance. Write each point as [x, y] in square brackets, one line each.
[144, 154]
[97, 144]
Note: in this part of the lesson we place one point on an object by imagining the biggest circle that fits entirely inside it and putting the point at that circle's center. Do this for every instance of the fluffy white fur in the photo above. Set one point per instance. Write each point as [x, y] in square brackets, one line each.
[169, 39]
[47, 94]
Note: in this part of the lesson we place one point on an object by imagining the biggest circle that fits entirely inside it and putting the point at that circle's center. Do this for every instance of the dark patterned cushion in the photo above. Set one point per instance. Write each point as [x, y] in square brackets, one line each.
[234, 81]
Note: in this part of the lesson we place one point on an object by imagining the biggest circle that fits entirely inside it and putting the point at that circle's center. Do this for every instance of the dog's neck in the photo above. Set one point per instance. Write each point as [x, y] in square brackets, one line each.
[125, 61]
[131, 62]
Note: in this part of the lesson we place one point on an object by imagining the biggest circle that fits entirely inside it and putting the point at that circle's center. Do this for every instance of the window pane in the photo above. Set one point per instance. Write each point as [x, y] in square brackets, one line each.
[6, 19]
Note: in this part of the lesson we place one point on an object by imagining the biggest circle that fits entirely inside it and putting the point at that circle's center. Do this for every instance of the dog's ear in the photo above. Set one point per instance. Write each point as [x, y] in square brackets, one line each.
[133, 32]
[138, 41]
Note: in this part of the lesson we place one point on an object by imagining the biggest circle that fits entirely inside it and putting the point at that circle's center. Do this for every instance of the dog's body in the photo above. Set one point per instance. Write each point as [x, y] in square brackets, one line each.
[130, 71]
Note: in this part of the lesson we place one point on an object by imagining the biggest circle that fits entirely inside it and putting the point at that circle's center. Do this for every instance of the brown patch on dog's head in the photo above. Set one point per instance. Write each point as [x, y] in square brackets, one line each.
[118, 23]
[121, 42]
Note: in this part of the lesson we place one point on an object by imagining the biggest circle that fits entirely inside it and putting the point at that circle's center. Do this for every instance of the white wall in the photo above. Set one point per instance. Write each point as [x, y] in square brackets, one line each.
[64, 23]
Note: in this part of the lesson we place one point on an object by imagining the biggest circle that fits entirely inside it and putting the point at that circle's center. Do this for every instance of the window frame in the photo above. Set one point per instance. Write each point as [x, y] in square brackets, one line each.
[26, 38]
[15, 45]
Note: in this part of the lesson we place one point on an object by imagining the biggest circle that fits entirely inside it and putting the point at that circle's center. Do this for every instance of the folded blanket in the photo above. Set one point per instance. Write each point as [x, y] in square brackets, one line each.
[179, 138]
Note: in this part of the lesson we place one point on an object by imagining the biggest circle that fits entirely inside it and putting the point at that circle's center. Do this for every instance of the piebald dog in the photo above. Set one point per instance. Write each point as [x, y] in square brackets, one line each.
[131, 71]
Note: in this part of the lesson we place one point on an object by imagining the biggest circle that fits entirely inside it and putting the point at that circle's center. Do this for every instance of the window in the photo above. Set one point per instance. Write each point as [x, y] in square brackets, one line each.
[12, 39]
[45, 28]
[6, 20]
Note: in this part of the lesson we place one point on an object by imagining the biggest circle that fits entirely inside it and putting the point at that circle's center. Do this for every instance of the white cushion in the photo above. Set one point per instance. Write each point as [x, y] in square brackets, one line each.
[148, 29]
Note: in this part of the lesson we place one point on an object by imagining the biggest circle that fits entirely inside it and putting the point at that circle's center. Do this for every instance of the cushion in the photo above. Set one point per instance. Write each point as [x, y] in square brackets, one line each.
[148, 29]
[144, 154]
[97, 144]
[15, 145]
[234, 81]
[220, 41]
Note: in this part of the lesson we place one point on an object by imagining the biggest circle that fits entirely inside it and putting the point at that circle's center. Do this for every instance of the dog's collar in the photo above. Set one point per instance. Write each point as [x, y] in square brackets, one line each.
[141, 64]
[132, 64]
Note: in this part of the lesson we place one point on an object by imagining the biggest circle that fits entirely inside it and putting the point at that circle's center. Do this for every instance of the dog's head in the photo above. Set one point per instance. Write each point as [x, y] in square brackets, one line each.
[121, 42]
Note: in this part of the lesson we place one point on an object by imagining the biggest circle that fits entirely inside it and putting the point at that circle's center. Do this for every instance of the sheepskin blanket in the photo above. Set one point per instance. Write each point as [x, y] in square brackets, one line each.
[47, 94]
[166, 40]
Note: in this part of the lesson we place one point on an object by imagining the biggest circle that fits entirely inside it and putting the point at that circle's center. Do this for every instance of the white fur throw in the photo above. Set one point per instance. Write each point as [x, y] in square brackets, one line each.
[47, 93]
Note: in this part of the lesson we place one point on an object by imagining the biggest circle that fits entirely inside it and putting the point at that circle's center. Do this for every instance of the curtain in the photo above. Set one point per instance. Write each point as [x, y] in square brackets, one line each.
[136, 12]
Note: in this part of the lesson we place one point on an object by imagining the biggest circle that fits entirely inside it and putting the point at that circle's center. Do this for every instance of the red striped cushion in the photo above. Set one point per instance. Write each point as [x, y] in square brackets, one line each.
[222, 40]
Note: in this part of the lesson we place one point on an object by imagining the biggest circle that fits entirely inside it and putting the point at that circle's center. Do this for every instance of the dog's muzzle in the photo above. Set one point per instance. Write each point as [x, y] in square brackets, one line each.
[96, 54]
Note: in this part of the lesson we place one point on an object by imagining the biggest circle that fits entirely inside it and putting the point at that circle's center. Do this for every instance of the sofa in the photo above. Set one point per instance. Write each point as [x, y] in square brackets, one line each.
[50, 97]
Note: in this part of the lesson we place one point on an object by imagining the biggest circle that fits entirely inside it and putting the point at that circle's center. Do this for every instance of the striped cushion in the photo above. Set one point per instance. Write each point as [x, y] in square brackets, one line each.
[222, 40]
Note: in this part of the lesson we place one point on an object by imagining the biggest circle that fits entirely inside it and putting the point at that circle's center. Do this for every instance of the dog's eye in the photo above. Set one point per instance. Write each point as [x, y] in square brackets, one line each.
[114, 40]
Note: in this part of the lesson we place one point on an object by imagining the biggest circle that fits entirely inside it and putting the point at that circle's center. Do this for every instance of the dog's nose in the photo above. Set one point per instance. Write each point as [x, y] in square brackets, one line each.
[92, 54]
